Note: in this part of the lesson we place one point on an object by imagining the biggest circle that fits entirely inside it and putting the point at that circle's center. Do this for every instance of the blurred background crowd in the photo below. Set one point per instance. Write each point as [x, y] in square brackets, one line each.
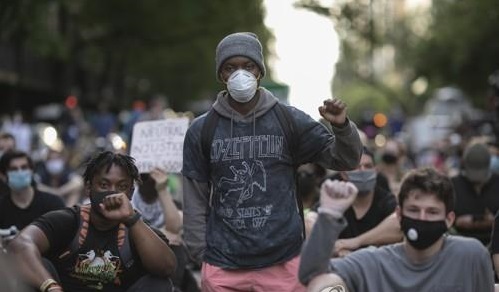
[421, 79]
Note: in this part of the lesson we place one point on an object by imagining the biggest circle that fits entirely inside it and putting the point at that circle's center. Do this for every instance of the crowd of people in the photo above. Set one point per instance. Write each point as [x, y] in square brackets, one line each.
[268, 199]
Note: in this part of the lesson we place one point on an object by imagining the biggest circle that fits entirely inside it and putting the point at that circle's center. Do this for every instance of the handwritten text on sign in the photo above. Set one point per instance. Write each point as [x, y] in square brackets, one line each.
[159, 144]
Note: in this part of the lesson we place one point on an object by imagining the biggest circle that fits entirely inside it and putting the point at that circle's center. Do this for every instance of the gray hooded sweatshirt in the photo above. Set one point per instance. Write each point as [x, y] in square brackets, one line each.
[240, 210]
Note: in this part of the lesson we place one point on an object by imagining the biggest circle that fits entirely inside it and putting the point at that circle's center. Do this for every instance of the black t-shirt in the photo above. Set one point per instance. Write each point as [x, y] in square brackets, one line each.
[383, 204]
[469, 202]
[97, 265]
[42, 203]
[494, 246]
[4, 189]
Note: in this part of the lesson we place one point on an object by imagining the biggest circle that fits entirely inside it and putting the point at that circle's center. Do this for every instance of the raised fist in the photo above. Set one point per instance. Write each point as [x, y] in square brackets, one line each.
[334, 110]
[336, 197]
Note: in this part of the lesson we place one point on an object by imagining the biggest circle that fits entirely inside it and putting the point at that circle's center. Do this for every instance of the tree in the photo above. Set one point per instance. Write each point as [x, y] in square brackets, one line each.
[456, 44]
[120, 50]
[461, 46]
[364, 32]
[169, 45]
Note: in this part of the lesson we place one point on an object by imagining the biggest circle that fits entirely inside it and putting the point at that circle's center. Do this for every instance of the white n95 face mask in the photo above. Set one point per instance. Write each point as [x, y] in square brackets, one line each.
[242, 85]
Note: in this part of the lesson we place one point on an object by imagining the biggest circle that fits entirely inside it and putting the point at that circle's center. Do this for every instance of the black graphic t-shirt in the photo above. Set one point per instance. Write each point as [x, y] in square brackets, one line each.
[254, 220]
[97, 265]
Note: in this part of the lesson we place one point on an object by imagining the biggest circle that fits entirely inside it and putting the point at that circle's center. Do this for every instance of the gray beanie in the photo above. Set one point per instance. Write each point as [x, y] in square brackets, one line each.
[239, 44]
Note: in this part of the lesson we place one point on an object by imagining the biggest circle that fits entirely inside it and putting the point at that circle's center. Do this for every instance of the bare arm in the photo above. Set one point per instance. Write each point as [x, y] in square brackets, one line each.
[27, 249]
[472, 223]
[326, 282]
[495, 259]
[386, 232]
[75, 184]
[196, 206]
[156, 255]
[173, 220]
[310, 219]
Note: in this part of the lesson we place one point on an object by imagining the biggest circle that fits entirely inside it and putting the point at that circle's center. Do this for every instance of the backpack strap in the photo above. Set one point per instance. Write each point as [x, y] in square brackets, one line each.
[208, 131]
[123, 240]
[84, 221]
[81, 233]
[288, 126]
[124, 246]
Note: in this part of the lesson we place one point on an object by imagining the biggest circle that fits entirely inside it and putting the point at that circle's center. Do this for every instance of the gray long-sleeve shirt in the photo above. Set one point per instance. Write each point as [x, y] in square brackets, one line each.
[463, 264]
[252, 219]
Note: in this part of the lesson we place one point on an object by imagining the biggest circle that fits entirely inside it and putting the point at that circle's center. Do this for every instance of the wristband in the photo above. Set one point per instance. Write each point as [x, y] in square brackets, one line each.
[44, 287]
[129, 222]
[336, 288]
[54, 287]
[335, 213]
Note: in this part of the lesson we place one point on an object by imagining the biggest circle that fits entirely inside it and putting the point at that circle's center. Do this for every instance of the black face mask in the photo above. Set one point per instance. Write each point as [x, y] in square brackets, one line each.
[389, 158]
[97, 197]
[421, 234]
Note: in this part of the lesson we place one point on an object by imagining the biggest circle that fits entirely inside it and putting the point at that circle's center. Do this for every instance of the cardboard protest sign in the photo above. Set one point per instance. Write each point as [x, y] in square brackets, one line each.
[159, 144]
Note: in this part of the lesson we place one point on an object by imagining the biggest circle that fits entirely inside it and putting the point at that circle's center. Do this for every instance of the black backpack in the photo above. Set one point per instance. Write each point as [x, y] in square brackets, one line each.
[288, 126]
[123, 240]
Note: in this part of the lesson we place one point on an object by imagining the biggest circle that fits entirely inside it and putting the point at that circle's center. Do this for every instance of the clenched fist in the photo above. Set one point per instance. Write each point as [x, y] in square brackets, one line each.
[336, 197]
[335, 111]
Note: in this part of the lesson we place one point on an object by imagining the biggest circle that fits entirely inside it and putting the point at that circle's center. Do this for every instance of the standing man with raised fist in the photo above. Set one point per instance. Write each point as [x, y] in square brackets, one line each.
[242, 217]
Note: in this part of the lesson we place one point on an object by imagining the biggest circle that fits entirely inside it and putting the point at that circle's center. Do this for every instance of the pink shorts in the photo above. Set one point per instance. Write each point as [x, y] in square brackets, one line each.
[278, 278]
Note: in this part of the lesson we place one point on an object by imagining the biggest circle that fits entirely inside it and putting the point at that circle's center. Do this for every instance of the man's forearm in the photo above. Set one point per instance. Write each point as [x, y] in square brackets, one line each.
[173, 220]
[29, 261]
[386, 232]
[154, 253]
[316, 251]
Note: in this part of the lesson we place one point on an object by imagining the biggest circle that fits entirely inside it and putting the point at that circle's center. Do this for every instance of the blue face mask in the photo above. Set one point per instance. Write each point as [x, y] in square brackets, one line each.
[494, 164]
[19, 179]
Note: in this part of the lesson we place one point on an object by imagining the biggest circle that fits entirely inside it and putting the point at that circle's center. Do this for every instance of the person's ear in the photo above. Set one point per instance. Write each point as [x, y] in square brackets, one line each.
[132, 190]
[221, 78]
[398, 212]
[86, 189]
[450, 218]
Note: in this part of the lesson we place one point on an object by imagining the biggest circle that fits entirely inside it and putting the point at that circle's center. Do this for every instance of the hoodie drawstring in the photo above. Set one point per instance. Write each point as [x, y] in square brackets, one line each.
[231, 123]
[254, 124]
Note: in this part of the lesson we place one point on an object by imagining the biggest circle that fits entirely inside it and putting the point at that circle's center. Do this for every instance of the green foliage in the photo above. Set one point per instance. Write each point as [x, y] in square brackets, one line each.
[137, 48]
[364, 97]
[26, 22]
[361, 34]
[461, 47]
[169, 43]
